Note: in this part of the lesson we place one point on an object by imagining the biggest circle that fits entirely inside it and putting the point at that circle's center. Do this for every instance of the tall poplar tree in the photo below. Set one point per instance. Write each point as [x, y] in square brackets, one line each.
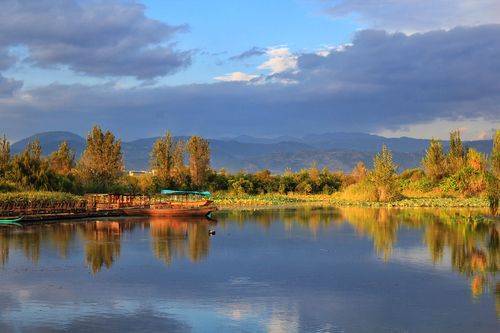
[384, 175]
[495, 154]
[180, 174]
[4, 156]
[199, 160]
[162, 157]
[456, 154]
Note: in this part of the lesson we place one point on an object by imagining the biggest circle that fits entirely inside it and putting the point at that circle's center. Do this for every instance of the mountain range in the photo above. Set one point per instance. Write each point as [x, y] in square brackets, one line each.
[337, 151]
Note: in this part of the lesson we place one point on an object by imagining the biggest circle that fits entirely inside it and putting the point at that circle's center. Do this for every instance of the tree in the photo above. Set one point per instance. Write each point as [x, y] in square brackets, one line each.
[434, 161]
[476, 160]
[359, 172]
[456, 154]
[162, 159]
[384, 175]
[180, 174]
[199, 160]
[101, 164]
[30, 170]
[4, 156]
[62, 161]
[495, 155]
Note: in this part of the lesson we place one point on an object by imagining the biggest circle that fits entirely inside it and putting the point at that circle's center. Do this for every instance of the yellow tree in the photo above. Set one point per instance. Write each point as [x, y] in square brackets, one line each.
[456, 154]
[199, 160]
[180, 174]
[495, 154]
[101, 164]
[162, 158]
[4, 156]
[359, 172]
[384, 175]
[434, 161]
[62, 161]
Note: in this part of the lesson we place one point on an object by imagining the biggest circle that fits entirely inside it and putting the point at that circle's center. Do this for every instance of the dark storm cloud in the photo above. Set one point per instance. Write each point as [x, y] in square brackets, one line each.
[253, 52]
[100, 38]
[381, 81]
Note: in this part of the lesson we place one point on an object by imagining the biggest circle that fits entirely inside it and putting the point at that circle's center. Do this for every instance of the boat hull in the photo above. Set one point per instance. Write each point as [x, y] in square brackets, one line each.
[169, 212]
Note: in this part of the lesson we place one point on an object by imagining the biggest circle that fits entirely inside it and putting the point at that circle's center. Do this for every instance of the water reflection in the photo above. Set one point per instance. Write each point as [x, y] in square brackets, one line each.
[310, 269]
[473, 247]
[179, 239]
[170, 238]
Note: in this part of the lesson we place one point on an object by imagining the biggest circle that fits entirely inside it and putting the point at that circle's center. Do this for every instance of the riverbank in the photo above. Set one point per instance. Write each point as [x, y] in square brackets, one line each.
[38, 206]
[229, 201]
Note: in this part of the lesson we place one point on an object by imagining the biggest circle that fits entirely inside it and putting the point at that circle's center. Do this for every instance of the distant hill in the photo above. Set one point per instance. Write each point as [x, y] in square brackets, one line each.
[50, 141]
[337, 151]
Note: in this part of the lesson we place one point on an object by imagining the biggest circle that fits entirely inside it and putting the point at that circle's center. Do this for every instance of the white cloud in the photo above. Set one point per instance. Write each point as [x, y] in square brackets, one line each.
[280, 60]
[327, 50]
[236, 76]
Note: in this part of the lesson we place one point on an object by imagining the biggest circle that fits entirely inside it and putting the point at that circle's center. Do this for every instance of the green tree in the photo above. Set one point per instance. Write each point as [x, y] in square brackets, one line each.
[456, 154]
[162, 159]
[434, 161]
[384, 175]
[199, 160]
[101, 164]
[62, 161]
[30, 170]
[180, 173]
[4, 156]
[495, 154]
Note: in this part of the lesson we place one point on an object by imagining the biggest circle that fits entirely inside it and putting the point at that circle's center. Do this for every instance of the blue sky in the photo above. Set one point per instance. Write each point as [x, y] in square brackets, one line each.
[224, 28]
[263, 68]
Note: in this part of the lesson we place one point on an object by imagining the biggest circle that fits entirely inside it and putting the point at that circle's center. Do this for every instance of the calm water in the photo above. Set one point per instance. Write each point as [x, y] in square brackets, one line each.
[288, 270]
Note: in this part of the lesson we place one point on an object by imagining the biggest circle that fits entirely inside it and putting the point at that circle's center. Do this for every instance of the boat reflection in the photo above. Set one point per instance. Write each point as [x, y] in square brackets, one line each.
[172, 238]
[469, 248]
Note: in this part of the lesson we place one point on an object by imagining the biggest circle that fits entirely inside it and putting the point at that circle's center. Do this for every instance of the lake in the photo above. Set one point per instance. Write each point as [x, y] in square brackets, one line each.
[278, 270]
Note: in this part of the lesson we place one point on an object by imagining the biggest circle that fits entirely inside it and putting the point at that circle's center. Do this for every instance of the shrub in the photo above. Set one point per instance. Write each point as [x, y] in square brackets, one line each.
[362, 191]
[242, 186]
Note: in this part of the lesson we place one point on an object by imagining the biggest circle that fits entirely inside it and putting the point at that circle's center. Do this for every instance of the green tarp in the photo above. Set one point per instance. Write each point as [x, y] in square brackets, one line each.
[174, 192]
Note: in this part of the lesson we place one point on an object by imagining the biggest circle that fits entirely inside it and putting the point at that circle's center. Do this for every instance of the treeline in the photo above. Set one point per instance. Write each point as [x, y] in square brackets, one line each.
[460, 172]
[100, 169]
[177, 164]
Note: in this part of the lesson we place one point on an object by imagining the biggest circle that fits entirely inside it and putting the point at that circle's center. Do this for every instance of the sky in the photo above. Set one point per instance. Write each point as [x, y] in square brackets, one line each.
[416, 68]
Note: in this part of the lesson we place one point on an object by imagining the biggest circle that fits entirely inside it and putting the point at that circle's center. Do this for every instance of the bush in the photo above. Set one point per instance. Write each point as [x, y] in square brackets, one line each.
[365, 190]
[37, 200]
[242, 186]
[6, 186]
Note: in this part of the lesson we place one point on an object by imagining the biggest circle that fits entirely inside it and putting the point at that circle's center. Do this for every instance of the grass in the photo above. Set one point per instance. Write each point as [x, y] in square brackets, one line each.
[36, 199]
[227, 200]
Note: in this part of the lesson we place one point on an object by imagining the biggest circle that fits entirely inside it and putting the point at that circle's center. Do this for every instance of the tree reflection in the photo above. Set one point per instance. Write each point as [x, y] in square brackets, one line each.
[102, 244]
[178, 238]
[472, 248]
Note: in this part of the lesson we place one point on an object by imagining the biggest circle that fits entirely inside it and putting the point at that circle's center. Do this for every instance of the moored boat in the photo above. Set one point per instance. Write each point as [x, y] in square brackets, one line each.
[175, 203]
[11, 221]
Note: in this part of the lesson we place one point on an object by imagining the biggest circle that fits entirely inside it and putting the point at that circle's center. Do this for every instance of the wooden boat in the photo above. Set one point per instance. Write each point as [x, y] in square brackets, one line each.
[172, 208]
[11, 221]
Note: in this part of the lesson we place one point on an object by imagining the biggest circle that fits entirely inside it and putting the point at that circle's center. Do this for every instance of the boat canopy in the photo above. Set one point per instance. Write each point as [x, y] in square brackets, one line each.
[174, 192]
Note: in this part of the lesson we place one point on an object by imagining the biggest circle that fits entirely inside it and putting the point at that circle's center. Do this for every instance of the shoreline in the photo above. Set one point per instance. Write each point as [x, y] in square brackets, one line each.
[224, 201]
[227, 202]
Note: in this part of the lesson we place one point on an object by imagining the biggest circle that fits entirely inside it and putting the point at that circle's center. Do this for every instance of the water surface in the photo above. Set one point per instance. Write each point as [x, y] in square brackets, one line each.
[284, 270]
